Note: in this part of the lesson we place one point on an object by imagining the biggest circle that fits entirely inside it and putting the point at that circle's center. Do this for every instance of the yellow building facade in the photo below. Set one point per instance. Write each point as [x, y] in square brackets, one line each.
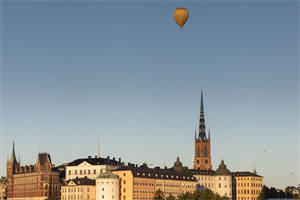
[138, 183]
[79, 188]
[247, 185]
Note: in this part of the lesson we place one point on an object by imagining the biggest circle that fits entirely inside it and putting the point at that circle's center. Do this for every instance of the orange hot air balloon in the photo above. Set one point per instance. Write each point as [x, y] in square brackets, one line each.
[181, 15]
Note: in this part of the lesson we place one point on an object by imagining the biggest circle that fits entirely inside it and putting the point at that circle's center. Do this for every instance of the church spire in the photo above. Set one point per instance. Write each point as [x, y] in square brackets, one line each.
[13, 155]
[202, 133]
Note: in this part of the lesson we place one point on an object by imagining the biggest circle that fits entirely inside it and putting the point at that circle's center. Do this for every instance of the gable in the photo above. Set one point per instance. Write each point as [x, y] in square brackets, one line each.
[84, 164]
[71, 183]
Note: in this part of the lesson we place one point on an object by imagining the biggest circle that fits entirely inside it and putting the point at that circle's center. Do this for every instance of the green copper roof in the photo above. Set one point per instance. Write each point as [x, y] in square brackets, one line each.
[108, 174]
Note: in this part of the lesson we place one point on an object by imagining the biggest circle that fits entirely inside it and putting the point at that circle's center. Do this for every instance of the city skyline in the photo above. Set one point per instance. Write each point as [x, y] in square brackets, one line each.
[135, 83]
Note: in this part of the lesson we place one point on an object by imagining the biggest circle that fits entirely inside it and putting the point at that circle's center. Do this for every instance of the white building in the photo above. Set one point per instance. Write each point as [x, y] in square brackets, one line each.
[219, 181]
[90, 167]
[107, 186]
[223, 181]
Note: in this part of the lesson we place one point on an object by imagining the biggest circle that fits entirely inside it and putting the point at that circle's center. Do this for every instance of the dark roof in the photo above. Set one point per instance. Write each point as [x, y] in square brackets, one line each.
[95, 161]
[80, 181]
[202, 172]
[156, 173]
[245, 174]
[222, 170]
[43, 158]
[108, 175]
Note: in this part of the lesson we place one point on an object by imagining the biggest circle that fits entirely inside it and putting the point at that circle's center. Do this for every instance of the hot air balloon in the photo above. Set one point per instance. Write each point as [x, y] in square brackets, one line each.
[181, 15]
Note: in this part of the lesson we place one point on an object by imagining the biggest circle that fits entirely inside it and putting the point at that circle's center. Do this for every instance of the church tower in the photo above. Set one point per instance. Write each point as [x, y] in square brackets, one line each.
[11, 167]
[202, 159]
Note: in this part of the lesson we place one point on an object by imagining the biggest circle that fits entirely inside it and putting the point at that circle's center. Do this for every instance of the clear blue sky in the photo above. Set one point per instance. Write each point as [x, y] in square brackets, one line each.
[123, 72]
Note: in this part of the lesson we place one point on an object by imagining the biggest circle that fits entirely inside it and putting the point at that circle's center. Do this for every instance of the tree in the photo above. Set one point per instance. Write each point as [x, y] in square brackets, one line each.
[158, 195]
[265, 193]
[144, 165]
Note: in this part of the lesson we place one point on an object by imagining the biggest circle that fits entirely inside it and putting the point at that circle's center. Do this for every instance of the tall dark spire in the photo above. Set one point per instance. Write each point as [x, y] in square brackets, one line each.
[13, 155]
[202, 133]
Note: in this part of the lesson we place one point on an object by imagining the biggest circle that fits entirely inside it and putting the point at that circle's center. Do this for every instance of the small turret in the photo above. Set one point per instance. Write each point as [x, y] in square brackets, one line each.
[254, 170]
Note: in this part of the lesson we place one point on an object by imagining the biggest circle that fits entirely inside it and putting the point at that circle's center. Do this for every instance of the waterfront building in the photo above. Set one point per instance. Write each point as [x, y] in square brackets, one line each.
[142, 182]
[223, 181]
[107, 186]
[34, 182]
[219, 181]
[202, 158]
[3, 186]
[246, 185]
[90, 167]
[78, 188]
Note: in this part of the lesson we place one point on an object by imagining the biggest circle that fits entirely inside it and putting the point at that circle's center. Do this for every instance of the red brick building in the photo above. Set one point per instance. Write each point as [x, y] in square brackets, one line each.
[34, 182]
[202, 159]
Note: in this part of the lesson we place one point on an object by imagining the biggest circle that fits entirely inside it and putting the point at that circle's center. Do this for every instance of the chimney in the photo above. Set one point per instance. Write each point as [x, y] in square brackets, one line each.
[120, 162]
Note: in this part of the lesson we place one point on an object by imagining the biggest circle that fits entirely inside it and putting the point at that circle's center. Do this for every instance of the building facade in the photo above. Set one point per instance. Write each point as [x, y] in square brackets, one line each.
[202, 158]
[78, 188]
[34, 182]
[138, 183]
[219, 181]
[246, 185]
[3, 187]
[90, 167]
[108, 186]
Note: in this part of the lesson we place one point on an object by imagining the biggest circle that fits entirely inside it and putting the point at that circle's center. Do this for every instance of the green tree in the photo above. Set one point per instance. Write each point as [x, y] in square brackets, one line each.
[171, 197]
[158, 194]
[265, 193]
[144, 165]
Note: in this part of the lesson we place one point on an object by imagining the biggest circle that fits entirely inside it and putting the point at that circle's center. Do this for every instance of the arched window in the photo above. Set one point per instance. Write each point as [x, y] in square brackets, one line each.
[198, 151]
[205, 151]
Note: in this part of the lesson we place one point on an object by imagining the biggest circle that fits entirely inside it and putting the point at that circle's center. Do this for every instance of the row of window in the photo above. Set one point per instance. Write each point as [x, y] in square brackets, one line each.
[252, 184]
[247, 198]
[84, 172]
[225, 186]
[74, 189]
[103, 197]
[65, 197]
[244, 179]
[167, 176]
[248, 191]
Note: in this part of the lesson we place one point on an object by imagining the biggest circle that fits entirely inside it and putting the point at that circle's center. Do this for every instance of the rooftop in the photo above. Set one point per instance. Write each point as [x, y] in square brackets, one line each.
[237, 174]
[80, 181]
[156, 173]
[96, 161]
